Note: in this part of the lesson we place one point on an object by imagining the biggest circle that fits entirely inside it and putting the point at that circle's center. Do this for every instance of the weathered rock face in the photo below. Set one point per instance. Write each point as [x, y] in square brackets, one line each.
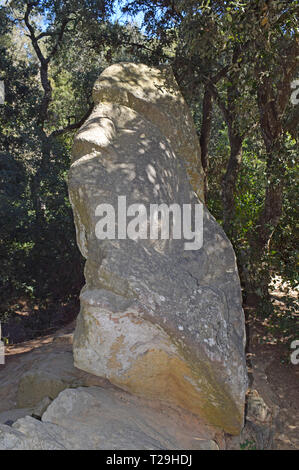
[158, 320]
[36, 370]
[92, 418]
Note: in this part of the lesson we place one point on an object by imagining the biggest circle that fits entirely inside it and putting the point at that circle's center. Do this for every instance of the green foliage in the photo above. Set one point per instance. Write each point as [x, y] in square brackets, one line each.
[248, 445]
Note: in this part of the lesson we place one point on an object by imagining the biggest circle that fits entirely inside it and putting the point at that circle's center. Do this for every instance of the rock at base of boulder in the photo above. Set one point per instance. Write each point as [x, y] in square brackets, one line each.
[92, 418]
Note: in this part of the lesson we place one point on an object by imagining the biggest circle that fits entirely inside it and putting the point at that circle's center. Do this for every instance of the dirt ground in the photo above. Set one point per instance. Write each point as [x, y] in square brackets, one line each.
[272, 422]
[272, 413]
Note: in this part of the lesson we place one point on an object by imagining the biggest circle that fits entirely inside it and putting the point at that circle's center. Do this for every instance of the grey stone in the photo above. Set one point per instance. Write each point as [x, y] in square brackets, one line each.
[27, 378]
[157, 320]
[92, 418]
[41, 407]
[10, 416]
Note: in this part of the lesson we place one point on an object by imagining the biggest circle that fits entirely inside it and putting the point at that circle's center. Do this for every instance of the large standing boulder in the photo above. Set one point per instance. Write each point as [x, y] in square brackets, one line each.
[156, 319]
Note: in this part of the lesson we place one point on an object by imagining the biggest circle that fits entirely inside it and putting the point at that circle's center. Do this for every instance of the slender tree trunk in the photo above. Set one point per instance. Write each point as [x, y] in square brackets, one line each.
[205, 133]
[260, 237]
[229, 181]
[270, 216]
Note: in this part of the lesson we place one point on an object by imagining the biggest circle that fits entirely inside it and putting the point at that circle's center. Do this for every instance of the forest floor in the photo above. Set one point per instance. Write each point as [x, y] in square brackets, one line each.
[274, 384]
[273, 399]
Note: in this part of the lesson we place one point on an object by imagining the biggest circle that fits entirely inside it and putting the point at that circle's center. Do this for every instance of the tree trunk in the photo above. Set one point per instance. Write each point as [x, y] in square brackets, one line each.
[205, 133]
[229, 181]
[35, 186]
[260, 238]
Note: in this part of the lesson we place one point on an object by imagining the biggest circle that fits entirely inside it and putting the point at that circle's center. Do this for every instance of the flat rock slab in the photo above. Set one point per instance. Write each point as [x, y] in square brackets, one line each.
[95, 419]
[38, 369]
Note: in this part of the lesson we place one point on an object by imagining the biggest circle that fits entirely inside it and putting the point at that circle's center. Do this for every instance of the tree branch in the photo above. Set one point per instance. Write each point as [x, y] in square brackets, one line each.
[59, 39]
[75, 125]
[32, 36]
[45, 34]
[220, 103]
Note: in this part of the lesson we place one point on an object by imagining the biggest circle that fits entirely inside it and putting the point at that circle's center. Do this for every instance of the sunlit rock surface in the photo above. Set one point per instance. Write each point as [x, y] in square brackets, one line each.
[92, 418]
[160, 321]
